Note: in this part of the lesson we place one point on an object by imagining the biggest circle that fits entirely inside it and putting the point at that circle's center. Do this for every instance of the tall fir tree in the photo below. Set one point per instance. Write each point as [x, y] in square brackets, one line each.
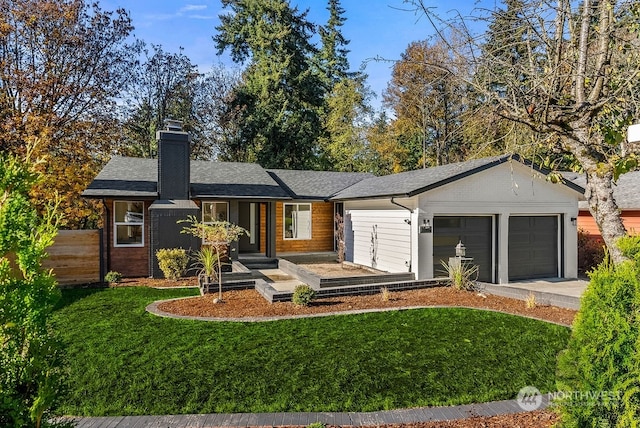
[346, 108]
[277, 104]
[333, 53]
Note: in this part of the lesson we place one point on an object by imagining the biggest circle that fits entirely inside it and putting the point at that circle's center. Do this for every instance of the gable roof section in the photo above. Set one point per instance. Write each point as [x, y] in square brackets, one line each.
[316, 185]
[411, 183]
[137, 177]
[626, 190]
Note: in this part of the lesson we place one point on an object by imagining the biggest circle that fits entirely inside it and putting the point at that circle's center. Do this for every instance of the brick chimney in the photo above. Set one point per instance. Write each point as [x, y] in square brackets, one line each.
[173, 162]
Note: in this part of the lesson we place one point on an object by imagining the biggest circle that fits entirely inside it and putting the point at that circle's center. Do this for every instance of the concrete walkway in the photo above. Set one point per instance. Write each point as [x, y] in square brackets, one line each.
[423, 414]
[555, 291]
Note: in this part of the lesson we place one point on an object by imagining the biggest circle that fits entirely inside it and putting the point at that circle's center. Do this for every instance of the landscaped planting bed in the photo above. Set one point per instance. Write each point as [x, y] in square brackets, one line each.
[125, 361]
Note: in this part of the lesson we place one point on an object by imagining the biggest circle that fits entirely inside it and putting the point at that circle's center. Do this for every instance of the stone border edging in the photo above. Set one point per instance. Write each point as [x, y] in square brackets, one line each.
[153, 308]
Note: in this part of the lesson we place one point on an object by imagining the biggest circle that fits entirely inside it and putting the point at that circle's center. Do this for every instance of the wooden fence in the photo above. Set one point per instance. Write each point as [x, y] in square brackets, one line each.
[75, 257]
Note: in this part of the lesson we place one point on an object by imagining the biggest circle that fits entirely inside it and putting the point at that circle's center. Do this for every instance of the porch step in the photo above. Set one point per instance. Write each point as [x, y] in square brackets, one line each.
[256, 263]
[230, 285]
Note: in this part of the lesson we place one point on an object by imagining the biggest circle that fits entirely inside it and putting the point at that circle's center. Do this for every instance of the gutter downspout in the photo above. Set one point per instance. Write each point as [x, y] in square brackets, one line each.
[410, 234]
[107, 228]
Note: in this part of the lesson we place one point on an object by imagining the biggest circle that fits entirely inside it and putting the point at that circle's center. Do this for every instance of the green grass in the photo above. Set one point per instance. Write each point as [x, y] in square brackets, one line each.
[124, 361]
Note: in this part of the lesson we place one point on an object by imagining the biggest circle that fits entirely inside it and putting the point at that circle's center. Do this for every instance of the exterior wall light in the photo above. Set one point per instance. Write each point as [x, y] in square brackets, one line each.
[574, 221]
[461, 250]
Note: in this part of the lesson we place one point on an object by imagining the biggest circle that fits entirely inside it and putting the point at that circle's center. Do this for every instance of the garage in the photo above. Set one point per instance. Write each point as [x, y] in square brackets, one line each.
[514, 223]
[475, 232]
[533, 247]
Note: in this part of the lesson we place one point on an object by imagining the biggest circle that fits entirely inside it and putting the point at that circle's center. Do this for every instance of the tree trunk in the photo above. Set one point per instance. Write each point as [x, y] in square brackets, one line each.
[603, 208]
[599, 188]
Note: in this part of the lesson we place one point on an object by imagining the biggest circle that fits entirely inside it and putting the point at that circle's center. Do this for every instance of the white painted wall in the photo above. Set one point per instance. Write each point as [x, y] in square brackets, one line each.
[377, 235]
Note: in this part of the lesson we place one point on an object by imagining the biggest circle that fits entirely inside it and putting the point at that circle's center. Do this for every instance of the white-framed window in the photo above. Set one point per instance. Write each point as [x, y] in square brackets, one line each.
[128, 221]
[214, 211]
[297, 221]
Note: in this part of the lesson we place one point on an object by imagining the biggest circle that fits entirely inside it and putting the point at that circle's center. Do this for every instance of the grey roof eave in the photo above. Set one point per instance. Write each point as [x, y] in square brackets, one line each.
[244, 197]
[362, 198]
[89, 194]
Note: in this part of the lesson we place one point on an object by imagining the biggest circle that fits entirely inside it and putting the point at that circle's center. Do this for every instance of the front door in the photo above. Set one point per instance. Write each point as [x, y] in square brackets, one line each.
[249, 218]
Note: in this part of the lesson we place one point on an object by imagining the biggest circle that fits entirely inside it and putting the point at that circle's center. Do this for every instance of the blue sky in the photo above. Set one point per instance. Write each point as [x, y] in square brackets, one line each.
[376, 28]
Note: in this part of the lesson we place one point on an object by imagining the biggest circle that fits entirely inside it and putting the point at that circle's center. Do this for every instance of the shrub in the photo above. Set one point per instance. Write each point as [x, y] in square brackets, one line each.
[590, 251]
[462, 275]
[31, 357]
[384, 294]
[530, 301]
[600, 370]
[172, 261]
[113, 277]
[303, 295]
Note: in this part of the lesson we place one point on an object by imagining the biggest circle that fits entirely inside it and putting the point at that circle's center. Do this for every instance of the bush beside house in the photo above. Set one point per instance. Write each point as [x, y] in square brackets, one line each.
[599, 373]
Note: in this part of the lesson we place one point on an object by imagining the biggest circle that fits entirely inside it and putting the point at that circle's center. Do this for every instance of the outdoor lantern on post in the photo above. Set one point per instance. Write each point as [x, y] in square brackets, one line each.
[461, 250]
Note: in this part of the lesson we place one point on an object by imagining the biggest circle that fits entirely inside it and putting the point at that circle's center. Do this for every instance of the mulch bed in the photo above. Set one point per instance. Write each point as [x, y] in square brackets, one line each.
[248, 303]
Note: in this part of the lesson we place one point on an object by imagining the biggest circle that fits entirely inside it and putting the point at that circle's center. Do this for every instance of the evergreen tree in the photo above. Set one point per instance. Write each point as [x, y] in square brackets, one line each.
[343, 144]
[333, 54]
[277, 104]
[346, 108]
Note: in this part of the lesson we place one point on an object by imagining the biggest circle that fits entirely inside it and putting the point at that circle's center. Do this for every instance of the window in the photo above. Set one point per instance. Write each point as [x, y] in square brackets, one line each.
[297, 221]
[128, 223]
[215, 211]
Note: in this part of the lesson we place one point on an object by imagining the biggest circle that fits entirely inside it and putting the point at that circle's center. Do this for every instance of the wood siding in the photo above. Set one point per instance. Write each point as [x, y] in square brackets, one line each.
[75, 257]
[321, 230]
[587, 223]
[129, 261]
[263, 228]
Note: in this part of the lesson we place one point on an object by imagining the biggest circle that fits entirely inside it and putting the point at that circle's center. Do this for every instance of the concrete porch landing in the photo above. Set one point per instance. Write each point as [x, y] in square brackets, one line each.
[279, 280]
[560, 292]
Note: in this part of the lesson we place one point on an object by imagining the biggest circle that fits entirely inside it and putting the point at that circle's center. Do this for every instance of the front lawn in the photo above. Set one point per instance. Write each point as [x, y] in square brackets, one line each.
[124, 361]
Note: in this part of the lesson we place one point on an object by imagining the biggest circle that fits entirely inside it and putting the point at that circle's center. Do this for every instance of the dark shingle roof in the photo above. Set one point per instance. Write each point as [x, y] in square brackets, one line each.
[626, 190]
[315, 184]
[126, 177]
[233, 179]
[411, 183]
[137, 177]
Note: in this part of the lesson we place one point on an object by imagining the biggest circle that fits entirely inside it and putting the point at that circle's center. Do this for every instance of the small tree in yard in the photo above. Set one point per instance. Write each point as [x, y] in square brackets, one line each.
[339, 223]
[29, 355]
[217, 235]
